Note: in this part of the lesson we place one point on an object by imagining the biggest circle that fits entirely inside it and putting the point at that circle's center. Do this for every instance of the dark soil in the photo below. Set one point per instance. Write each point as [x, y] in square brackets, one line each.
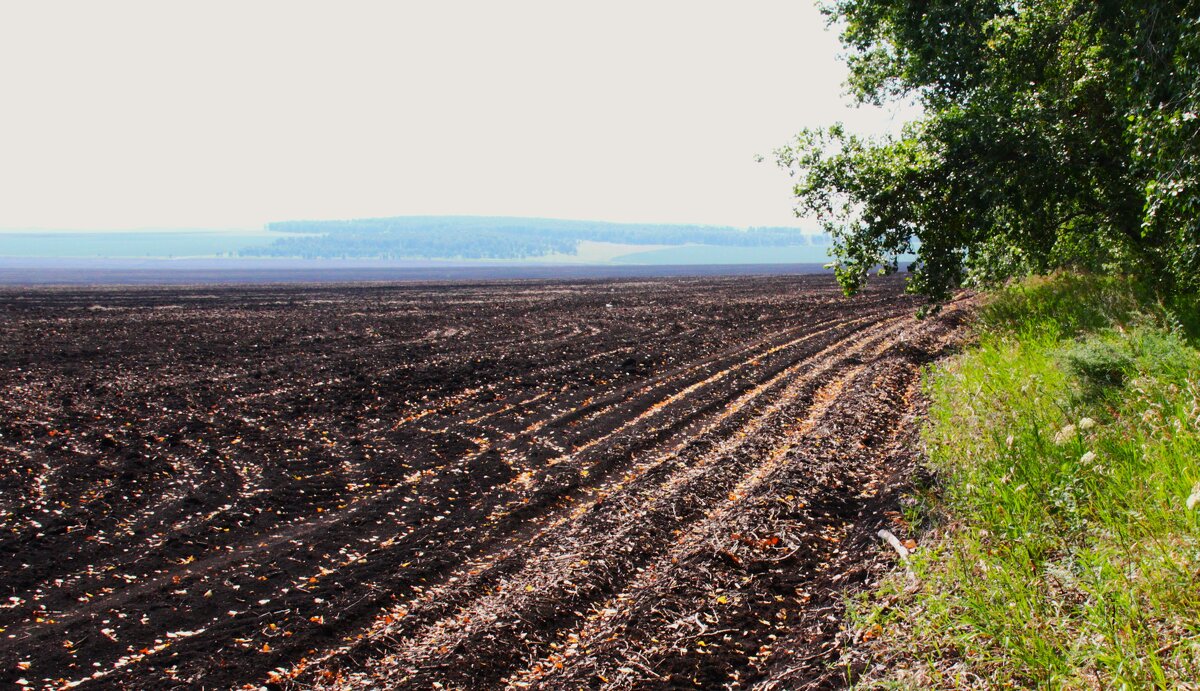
[625, 484]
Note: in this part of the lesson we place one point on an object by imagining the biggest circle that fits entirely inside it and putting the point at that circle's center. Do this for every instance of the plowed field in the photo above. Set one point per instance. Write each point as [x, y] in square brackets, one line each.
[628, 484]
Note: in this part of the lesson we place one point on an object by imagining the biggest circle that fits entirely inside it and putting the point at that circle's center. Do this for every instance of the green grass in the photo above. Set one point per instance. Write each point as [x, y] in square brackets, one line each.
[1058, 547]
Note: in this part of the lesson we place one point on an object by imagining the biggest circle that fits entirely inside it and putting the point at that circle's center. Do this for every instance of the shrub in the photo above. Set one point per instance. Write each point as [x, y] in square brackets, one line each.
[1098, 363]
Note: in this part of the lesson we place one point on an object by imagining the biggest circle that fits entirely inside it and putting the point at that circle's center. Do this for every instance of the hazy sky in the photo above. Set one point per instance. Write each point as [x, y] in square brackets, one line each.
[162, 113]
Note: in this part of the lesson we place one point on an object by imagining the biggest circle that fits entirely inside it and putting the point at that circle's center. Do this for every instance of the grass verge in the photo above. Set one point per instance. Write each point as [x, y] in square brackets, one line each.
[1062, 530]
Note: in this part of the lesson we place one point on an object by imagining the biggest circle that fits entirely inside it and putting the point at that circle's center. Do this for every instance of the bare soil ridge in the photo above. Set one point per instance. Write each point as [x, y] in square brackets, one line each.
[650, 484]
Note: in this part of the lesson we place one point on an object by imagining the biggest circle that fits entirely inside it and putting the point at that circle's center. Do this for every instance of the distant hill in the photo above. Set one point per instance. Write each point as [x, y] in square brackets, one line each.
[487, 237]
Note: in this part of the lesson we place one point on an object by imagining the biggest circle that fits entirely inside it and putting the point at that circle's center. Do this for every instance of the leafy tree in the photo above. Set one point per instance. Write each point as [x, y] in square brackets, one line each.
[1056, 133]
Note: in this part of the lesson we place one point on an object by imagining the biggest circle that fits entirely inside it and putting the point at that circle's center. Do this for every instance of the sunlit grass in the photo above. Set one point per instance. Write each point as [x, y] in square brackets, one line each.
[1061, 551]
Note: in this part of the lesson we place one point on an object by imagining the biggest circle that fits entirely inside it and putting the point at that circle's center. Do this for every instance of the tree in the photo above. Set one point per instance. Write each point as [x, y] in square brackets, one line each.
[1056, 133]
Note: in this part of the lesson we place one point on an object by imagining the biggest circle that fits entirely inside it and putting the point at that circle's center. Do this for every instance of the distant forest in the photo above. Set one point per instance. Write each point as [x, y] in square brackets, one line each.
[482, 237]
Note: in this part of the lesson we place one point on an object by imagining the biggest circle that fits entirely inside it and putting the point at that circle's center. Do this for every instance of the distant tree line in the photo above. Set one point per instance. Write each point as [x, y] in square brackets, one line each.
[479, 237]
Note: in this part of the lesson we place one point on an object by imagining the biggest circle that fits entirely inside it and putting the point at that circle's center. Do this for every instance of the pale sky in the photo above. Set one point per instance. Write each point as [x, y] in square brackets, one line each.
[215, 113]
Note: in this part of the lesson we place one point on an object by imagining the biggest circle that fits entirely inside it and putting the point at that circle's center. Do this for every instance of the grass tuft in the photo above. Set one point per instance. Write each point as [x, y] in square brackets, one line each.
[1062, 549]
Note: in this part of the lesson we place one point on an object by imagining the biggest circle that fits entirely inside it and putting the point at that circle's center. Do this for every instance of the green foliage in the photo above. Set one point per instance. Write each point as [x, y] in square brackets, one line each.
[1057, 133]
[1063, 552]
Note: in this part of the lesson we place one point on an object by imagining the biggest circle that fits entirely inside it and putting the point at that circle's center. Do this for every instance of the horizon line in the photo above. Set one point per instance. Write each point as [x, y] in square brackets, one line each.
[264, 227]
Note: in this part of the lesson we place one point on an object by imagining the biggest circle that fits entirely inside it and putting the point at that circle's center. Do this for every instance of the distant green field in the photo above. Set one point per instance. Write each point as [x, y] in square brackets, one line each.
[130, 245]
[714, 254]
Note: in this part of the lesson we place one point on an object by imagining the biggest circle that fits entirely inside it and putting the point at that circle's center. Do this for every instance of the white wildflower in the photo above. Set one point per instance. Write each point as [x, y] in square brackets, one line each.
[1087, 458]
[1087, 423]
[1064, 435]
[1193, 500]
[1009, 441]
